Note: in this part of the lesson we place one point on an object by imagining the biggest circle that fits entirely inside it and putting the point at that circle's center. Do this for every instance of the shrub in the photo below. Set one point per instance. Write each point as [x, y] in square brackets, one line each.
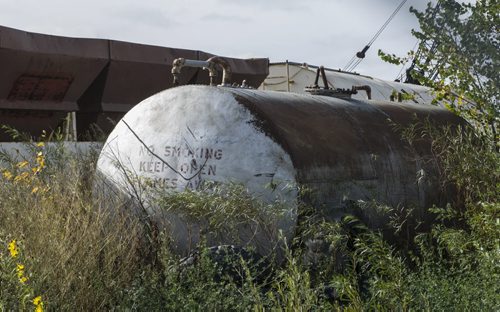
[79, 250]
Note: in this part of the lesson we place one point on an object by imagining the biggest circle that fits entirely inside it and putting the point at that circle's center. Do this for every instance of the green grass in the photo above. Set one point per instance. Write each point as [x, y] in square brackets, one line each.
[80, 255]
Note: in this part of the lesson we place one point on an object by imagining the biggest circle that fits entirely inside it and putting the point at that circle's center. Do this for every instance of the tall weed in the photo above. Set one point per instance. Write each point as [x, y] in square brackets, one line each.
[83, 250]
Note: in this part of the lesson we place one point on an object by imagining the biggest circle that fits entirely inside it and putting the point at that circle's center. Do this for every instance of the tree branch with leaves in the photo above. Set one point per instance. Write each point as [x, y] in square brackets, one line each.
[459, 57]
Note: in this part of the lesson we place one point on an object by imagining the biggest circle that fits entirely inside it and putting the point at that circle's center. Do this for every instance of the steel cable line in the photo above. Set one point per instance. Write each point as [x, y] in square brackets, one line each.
[353, 63]
[350, 62]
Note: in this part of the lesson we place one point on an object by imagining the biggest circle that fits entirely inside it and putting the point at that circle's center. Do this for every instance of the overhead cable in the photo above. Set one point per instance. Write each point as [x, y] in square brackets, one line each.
[353, 63]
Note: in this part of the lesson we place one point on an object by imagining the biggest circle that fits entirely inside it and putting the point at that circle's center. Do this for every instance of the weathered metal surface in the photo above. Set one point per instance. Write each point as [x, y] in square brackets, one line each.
[183, 136]
[40, 88]
[99, 79]
[350, 150]
[343, 150]
[58, 68]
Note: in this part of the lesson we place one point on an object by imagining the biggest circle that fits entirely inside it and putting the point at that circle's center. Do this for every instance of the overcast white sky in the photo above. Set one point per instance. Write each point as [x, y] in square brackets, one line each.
[319, 32]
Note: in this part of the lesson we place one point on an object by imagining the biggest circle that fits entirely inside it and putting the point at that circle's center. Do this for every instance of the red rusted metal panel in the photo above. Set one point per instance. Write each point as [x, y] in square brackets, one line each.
[139, 71]
[24, 54]
[97, 78]
[43, 76]
[40, 87]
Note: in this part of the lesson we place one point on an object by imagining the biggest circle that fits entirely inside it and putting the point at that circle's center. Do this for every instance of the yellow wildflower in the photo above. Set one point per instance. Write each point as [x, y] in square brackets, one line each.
[20, 270]
[34, 190]
[22, 177]
[40, 163]
[20, 273]
[40, 144]
[7, 174]
[37, 301]
[13, 249]
[22, 164]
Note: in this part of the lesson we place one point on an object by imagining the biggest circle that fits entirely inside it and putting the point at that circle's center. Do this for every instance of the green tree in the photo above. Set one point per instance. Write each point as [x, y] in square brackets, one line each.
[459, 57]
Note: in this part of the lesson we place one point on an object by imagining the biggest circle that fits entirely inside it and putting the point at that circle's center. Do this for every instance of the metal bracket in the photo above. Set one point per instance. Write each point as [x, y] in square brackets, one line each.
[210, 65]
[315, 89]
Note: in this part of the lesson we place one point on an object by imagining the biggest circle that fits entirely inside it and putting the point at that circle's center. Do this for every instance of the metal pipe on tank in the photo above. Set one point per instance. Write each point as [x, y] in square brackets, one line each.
[226, 69]
[209, 65]
[365, 88]
[179, 63]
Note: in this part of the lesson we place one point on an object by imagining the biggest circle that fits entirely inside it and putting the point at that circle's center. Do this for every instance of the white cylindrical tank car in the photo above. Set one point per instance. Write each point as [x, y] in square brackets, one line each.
[344, 150]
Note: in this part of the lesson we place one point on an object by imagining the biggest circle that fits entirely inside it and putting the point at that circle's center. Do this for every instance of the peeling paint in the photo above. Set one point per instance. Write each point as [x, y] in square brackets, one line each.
[345, 151]
[184, 136]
